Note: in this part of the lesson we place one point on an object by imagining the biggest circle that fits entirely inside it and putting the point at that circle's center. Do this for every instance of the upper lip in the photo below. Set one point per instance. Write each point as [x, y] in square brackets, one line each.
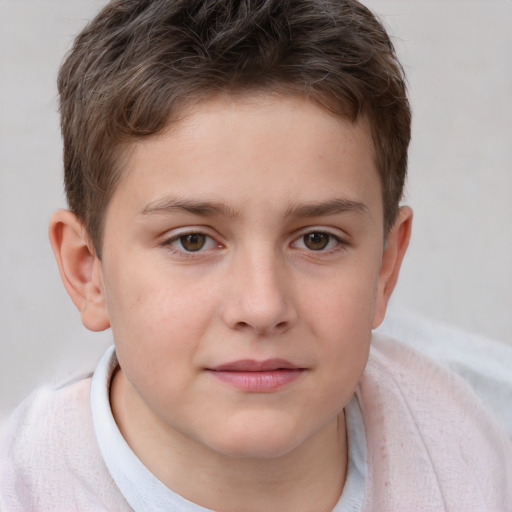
[251, 365]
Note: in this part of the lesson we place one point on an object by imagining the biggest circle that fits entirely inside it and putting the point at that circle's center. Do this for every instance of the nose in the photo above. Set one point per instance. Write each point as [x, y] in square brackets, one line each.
[259, 296]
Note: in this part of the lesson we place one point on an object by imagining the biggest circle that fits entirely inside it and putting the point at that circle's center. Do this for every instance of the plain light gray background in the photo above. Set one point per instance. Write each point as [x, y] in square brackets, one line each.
[458, 57]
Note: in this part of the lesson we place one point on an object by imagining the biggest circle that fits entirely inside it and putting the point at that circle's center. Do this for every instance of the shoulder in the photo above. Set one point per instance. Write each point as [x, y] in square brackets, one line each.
[47, 420]
[484, 363]
[429, 438]
[50, 459]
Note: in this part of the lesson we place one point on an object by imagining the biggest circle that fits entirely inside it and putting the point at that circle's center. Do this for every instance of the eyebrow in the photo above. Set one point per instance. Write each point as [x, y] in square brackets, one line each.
[323, 208]
[209, 208]
[192, 207]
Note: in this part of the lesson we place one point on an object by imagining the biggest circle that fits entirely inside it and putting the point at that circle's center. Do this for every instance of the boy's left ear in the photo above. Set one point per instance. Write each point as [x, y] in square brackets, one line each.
[394, 251]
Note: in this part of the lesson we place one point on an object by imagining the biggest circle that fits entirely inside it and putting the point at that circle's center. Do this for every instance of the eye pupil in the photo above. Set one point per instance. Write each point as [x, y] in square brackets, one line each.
[316, 241]
[193, 242]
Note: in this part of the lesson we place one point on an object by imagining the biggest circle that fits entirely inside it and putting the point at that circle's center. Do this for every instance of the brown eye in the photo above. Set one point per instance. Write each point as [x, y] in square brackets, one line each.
[193, 242]
[316, 241]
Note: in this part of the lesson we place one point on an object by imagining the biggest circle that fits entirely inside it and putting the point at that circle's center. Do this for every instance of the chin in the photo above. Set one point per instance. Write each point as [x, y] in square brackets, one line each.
[262, 449]
[258, 441]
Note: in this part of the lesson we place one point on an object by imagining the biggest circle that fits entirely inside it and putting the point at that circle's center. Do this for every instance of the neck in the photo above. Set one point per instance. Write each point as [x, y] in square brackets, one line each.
[309, 477]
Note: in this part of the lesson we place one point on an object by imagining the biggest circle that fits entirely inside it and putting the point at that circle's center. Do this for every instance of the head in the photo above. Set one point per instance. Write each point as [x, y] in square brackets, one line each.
[140, 65]
[233, 168]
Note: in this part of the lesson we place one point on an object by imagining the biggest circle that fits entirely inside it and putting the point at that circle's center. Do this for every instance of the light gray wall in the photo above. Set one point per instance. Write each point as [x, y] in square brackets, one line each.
[458, 56]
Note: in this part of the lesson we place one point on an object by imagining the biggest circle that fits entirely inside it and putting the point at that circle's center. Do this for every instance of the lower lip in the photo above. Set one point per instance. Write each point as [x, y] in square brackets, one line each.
[258, 382]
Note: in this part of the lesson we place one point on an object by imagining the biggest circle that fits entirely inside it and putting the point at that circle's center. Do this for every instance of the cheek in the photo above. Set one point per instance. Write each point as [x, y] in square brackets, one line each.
[157, 316]
[344, 304]
[143, 297]
[153, 327]
[341, 316]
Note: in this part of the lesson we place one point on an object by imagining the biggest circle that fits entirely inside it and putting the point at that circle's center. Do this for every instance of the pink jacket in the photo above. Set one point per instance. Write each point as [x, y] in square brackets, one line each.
[431, 444]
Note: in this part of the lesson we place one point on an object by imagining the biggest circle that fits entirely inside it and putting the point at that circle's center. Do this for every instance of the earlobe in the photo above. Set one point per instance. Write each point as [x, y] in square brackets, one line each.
[394, 251]
[80, 269]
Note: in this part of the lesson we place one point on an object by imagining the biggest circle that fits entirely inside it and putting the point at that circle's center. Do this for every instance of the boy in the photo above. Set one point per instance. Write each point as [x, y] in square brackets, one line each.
[234, 171]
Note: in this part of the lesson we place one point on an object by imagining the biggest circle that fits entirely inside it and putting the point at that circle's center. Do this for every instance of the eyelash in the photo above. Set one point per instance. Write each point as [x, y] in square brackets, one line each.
[340, 243]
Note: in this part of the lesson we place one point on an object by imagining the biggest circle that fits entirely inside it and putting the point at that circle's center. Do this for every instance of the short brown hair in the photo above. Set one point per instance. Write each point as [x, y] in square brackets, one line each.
[138, 63]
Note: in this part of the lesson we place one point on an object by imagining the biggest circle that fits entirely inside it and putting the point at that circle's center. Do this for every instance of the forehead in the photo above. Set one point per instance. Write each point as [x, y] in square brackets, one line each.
[254, 150]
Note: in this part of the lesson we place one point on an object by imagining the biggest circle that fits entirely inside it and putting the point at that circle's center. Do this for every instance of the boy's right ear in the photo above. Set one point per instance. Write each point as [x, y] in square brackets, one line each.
[80, 269]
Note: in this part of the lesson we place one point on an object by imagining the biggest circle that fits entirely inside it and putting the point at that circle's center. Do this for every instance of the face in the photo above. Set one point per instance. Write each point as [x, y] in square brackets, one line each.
[240, 269]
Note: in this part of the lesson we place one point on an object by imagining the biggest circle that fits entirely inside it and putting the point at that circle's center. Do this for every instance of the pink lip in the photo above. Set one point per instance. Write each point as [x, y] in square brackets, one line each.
[257, 376]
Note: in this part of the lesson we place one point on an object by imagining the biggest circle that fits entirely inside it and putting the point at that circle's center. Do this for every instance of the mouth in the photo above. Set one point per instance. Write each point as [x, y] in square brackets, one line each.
[257, 376]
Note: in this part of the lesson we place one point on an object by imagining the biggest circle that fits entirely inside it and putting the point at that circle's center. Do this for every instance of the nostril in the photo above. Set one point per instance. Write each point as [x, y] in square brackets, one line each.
[278, 328]
[242, 326]
[245, 326]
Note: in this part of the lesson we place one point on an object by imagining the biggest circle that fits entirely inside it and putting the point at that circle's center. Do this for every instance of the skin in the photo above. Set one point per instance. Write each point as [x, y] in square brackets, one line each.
[251, 230]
